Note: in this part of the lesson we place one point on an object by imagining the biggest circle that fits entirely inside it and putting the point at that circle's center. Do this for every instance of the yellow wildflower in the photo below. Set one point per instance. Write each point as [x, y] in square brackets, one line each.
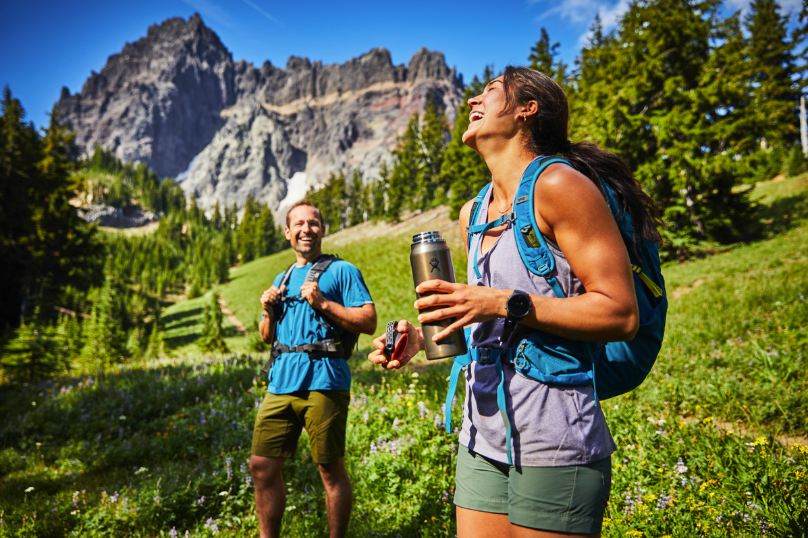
[802, 449]
[760, 441]
[708, 419]
[606, 522]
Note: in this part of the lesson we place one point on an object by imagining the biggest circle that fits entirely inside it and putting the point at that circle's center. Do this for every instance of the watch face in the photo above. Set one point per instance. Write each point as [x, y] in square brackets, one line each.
[518, 305]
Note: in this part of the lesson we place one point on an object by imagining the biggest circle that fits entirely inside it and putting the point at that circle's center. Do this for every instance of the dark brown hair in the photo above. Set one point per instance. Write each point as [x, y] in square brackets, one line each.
[300, 203]
[548, 136]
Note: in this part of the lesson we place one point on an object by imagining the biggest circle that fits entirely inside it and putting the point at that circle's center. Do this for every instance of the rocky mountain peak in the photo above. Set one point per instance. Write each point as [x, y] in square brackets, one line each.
[159, 100]
[176, 100]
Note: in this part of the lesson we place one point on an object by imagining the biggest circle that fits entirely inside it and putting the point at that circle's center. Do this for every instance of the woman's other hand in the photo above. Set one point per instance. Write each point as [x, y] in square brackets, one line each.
[415, 344]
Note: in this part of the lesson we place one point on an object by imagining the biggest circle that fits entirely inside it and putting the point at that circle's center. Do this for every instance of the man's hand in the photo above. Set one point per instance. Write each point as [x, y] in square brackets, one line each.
[270, 297]
[415, 344]
[312, 293]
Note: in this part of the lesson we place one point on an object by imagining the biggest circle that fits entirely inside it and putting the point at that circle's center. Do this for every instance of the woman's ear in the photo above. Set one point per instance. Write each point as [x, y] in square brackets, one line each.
[529, 110]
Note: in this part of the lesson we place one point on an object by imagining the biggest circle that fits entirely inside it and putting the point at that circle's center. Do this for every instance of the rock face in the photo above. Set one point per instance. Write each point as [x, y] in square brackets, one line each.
[117, 217]
[177, 101]
[159, 100]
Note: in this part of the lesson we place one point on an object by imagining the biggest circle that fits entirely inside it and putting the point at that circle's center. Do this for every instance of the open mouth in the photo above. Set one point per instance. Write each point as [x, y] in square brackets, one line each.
[476, 115]
[306, 240]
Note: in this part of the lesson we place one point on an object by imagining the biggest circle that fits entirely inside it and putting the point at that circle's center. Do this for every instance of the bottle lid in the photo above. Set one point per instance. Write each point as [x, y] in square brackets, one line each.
[427, 237]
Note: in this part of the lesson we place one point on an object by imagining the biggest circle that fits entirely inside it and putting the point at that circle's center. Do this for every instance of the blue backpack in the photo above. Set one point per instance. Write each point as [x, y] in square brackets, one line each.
[613, 368]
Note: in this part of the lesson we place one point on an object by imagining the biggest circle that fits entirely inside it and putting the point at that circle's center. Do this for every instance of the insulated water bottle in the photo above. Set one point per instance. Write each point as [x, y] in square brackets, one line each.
[430, 259]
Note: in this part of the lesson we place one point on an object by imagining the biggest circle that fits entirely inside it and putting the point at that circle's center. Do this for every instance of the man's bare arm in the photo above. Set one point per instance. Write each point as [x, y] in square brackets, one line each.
[359, 319]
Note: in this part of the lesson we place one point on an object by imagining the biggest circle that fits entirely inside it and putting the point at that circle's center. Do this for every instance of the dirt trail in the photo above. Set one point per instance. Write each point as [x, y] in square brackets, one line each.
[231, 317]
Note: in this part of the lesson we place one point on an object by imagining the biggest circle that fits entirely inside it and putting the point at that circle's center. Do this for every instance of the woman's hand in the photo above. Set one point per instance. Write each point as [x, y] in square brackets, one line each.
[415, 344]
[469, 304]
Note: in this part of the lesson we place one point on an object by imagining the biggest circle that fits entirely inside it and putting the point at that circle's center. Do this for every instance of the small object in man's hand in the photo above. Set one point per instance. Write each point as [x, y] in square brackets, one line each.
[394, 342]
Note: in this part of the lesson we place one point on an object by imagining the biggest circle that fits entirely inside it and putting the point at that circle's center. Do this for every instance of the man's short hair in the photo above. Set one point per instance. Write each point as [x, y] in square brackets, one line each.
[300, 203]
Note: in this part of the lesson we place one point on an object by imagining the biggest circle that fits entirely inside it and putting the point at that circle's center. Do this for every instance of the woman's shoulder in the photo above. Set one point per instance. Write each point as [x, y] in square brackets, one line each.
[561, 187]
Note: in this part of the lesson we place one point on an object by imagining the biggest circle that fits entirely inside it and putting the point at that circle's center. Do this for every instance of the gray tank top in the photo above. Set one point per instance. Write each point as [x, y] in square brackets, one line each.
[551, 425]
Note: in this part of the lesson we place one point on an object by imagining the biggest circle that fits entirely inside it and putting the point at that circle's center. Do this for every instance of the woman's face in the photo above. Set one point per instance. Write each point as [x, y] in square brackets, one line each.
[487, 120]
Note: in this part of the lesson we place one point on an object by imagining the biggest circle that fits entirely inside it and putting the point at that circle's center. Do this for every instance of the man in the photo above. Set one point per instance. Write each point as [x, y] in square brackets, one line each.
[310, 390]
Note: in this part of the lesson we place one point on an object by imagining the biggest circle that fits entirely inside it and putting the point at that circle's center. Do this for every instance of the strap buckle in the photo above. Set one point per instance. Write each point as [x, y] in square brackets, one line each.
[484, 356]
[520, 361]
[544, 270]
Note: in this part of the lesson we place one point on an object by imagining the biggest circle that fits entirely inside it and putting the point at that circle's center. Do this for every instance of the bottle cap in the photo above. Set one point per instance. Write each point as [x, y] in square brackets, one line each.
[427, 237]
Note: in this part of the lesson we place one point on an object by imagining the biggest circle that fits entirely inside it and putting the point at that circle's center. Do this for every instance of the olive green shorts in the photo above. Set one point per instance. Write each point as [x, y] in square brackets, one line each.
[557, 499]
[282, 417]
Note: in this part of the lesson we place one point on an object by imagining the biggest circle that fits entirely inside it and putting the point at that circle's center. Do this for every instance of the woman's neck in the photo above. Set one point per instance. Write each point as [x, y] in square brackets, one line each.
[507, 166]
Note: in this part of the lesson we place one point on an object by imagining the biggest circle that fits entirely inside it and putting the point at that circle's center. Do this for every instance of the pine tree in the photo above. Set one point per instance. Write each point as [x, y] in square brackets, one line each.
[433, 138]
[774, 75]
[106, 335]
[32, 353]
[379, 193]
[212, 334]
[356, 202]
[643, 95]
[406, 170]
[156, 346]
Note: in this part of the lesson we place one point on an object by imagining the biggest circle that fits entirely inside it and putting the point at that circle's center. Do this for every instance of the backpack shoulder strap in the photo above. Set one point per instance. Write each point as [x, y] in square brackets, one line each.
[319, 267]
[532, 247]
[475, 211]
[287, 275]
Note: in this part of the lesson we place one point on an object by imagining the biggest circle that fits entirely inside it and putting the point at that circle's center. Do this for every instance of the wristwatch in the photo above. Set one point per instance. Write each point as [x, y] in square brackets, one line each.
[518, 306]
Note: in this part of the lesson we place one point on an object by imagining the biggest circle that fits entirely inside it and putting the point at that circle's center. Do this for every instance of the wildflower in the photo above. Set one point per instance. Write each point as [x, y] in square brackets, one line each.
[173, 532]
[759, 441]
[76, 499]
[201, 500]
[680, 467]
[373, 449]
[395, 423]
[365, 417]
[29, 490]
[248, 481]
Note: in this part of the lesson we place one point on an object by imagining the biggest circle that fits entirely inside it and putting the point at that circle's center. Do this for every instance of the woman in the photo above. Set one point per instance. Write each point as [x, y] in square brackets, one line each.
[560, 483]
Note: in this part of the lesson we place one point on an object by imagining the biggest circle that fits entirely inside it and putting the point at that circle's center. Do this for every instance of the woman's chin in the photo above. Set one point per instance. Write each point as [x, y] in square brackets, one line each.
[468, 138]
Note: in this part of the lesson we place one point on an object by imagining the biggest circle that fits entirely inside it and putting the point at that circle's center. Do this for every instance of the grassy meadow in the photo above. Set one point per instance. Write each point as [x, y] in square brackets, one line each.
[712, 444]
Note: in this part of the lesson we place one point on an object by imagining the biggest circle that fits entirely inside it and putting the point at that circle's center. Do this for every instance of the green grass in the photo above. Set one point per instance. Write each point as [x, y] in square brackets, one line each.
[712, 444]
[183, 323]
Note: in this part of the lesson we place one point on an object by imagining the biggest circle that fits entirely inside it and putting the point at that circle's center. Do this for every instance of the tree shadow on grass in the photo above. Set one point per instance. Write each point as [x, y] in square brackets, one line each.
[784, 214]
[174, 342]
[186, 323]
[194, 312]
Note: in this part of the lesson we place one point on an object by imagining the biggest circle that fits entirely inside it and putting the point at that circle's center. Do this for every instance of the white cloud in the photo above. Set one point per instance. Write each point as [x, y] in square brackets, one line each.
[584, 11]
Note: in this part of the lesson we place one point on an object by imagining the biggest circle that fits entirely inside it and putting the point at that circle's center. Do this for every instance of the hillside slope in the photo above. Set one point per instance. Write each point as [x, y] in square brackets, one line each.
[736, 323]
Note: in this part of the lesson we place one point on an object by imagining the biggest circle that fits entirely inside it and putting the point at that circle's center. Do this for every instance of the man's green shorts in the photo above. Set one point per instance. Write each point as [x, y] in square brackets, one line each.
[281, 418]
[556, 499]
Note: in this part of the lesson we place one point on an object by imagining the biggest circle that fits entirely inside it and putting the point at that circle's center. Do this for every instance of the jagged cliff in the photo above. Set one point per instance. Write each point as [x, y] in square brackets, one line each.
[177, 101]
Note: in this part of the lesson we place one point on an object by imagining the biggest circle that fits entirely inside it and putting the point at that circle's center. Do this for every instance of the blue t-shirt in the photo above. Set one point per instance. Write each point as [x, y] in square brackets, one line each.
[342, 283]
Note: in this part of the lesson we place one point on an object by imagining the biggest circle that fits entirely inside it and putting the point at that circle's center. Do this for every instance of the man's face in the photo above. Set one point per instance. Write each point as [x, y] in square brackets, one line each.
[305, 232]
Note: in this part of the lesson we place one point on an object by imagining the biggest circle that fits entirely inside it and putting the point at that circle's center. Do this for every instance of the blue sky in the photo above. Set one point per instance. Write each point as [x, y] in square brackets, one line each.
[45, 45]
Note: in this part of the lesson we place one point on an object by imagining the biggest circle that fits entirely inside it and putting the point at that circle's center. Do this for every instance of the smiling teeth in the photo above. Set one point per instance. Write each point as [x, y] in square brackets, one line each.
[474, 115]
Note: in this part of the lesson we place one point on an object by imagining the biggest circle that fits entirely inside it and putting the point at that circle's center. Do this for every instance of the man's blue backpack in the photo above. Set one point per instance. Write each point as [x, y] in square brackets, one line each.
[622, 366]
